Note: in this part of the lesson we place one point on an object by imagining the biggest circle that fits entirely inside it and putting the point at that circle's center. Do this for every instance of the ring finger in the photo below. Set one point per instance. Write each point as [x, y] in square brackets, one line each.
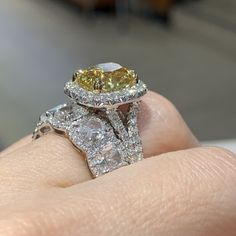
[53, 161]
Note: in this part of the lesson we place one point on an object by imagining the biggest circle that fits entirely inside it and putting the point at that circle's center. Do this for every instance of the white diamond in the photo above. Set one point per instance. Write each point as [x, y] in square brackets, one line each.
[106, 160]
[89, 131]
[111, 155]
[93, 129]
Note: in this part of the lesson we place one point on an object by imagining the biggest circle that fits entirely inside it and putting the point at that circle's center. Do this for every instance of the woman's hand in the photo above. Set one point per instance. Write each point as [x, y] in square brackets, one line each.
[180, 189]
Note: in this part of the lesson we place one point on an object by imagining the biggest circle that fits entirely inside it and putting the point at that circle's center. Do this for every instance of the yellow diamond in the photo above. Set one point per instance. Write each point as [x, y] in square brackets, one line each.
[106, 77]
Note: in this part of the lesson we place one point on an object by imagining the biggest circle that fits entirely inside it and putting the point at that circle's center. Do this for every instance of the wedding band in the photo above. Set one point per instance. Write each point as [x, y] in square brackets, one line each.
[92, 119]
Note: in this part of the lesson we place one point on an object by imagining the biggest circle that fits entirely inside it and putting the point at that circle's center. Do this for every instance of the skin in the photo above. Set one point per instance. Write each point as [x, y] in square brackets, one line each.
[179, 189]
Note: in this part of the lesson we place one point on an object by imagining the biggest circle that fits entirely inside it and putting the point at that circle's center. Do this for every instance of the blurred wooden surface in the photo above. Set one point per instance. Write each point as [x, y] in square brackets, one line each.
[161, 7]
[87, 4]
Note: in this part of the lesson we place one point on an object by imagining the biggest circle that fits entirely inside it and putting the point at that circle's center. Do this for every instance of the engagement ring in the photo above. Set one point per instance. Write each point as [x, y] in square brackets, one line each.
[101, 117]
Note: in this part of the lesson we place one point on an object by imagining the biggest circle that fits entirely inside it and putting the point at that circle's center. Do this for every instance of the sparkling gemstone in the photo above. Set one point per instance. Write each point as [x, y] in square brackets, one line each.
[109, 158]
[106, 77]
[111, 155]
[63, 113]
[89, 131]
[94, 130]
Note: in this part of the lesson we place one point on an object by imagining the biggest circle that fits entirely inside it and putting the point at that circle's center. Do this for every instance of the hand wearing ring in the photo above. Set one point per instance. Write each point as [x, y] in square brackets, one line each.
[46, 187]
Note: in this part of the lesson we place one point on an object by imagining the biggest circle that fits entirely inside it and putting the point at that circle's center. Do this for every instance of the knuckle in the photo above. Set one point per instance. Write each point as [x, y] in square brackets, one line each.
[163, 102]
[162, 110]
[167, 119]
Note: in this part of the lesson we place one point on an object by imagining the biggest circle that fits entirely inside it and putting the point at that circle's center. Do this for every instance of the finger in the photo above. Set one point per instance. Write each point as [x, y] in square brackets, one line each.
[162, 128]
[188, 193]
[52, 160]
[49, 161]
[22, 142]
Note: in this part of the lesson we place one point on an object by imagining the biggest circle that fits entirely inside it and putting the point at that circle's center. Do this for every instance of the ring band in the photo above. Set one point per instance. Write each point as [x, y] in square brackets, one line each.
[93, 120]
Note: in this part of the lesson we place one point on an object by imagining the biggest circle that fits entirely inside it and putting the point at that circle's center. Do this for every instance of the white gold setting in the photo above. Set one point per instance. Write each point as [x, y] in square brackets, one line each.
[108, 137]
[101, 100]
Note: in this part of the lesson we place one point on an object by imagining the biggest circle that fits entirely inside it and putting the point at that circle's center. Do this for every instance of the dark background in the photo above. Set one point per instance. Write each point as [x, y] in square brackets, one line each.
[190, 58]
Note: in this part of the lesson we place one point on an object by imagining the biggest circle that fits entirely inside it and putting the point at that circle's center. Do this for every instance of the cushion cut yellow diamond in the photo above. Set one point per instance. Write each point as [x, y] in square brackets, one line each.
[105, 78]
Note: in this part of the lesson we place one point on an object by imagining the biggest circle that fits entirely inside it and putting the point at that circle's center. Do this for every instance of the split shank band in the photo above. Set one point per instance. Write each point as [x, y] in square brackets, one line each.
[92, 119]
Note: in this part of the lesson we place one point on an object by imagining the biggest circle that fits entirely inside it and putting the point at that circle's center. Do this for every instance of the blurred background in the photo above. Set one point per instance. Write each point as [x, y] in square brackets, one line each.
[185, 50]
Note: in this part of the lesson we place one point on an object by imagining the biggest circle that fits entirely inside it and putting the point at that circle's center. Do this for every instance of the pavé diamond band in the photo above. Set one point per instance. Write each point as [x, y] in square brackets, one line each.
[93, 120]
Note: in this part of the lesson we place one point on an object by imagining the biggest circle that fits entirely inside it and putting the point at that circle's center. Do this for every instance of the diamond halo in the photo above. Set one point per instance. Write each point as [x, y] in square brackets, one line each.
[110, 98]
